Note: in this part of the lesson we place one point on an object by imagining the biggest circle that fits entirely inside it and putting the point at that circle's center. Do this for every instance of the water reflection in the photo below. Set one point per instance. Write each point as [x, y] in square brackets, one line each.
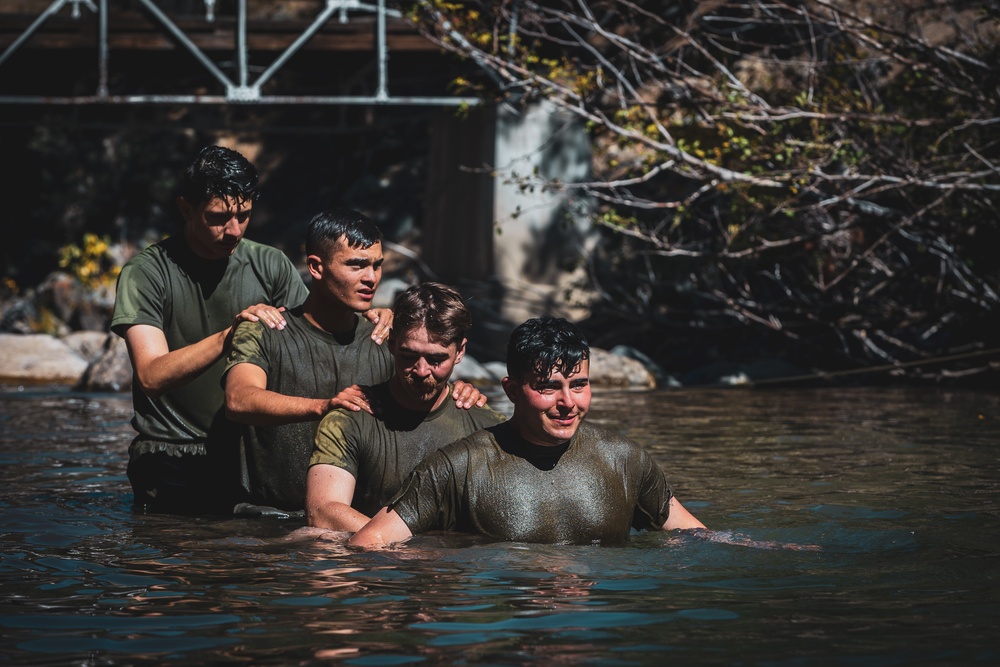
[899, 487]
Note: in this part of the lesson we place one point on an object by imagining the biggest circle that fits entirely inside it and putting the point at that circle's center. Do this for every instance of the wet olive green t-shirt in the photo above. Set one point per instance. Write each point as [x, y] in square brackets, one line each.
[190, 298]
[380, 450]
[594, 489]
[300, 360]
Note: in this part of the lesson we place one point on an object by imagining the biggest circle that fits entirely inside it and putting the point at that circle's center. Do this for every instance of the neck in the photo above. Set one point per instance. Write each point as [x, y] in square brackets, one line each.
[198, 252]
[332, 318]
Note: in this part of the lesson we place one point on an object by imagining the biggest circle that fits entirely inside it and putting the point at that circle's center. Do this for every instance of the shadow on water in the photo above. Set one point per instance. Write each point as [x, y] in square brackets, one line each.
[897, 488]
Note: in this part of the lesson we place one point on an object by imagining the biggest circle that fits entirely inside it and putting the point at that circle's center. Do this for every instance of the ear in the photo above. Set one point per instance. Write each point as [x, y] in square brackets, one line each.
[315, 265]
[509, 388]
[461, 350]
[186, 209]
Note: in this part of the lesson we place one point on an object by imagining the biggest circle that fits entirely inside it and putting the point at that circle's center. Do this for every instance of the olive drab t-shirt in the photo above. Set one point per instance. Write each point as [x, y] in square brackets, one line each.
[189, 298]
[594, 489]
[380, 450]
[301, 360]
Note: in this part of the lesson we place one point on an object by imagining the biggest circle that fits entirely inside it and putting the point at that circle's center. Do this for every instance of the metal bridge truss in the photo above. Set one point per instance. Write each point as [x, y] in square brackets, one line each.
[243, 90]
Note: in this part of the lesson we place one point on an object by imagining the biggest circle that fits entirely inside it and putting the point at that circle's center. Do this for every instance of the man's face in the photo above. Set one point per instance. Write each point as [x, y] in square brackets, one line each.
[348, 275]
[214, 228]
[548, 411]
[423, 367]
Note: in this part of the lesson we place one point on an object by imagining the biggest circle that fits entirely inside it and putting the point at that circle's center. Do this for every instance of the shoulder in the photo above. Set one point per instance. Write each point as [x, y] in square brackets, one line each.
[262, 253]
[486, 416]
[607, 440]
[143, 292]
[340, 421]
[480, 442]
[363, 331]
[148, 259]
[249, 333]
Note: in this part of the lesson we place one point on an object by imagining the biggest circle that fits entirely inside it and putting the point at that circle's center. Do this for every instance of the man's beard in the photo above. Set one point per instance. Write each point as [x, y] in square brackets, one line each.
[424, 389]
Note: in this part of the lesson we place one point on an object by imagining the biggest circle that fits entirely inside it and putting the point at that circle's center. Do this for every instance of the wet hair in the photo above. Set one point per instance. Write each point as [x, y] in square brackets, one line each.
[331, 225]
[544, 345]
[436, 307]
[219, 172]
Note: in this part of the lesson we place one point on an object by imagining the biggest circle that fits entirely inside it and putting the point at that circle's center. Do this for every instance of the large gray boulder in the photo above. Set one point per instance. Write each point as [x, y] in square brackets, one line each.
[615, 370]
[39, 359]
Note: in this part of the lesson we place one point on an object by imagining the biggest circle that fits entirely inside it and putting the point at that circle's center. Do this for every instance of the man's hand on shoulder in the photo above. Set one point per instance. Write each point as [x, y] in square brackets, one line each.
[466, 395]
[354, 398]
[382, 319]
[269, 316]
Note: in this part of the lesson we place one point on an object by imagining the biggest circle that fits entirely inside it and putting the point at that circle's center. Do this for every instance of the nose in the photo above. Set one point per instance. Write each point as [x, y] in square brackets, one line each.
[565, 398]
[232, 227]
[422, 368]
[369, 276]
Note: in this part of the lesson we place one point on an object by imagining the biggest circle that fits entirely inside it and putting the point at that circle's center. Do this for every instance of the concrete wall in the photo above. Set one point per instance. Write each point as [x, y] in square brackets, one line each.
[512, 246]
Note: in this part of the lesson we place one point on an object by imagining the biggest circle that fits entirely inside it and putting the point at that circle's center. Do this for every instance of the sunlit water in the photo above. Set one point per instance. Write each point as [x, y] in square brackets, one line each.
[897, 488]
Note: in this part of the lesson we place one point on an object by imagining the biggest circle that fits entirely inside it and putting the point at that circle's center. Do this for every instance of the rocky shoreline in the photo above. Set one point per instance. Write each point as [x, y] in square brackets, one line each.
[58, 333]
[96, 361]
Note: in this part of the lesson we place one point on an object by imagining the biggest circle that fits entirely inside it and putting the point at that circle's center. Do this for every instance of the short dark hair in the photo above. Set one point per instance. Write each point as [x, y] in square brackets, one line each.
[219, 172]
[434, 306]
[543, 345]
[327, 227]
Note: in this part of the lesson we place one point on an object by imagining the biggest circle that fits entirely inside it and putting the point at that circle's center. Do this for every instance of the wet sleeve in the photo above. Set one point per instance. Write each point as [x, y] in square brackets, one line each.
[337, 440]
[653, 503]
[248, 346]
[428, 499]
[139, 298]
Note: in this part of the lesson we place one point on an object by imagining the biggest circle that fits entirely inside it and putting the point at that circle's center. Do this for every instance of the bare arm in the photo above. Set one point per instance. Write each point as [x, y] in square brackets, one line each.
[679, 518]
[248, 401]
[160, 369]
[329, 492]
[384, 529]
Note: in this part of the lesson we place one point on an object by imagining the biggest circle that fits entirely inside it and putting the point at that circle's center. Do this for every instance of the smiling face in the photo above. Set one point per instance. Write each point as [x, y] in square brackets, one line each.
[214, 229]
[346, 276]
[423, 367]
[548, 411]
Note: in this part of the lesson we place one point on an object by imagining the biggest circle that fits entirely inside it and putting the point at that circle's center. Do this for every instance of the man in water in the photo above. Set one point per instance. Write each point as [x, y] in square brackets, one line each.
[360, 460]
[542, 476]
[176, 304]
[279, 384]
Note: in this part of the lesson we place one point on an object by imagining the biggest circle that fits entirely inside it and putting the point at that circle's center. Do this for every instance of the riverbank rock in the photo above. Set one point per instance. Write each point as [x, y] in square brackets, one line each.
[110, 370]
[615, 370]
[88, 344]
[39, 358]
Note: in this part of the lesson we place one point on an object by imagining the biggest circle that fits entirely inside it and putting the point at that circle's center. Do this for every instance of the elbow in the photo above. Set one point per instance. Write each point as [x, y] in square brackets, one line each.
[315, 516]
[235, 410]
[149, 386]
[365, 539]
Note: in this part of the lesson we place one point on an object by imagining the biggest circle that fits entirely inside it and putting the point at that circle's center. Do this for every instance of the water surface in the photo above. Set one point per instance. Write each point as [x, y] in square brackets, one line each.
[898, 488]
